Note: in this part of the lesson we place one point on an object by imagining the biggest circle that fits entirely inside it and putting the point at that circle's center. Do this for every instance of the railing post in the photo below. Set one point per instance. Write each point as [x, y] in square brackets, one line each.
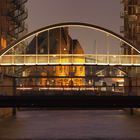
[13, 59]
[24, 60]
[119, 59]
[60, 46]
[48, 46]
[72, 53]
[107, 48]
[132, 57]
[96, 52]
[120, 53]
[36, 45]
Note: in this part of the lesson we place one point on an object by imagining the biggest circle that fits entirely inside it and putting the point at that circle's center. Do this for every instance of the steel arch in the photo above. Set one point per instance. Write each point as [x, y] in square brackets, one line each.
[69, 24]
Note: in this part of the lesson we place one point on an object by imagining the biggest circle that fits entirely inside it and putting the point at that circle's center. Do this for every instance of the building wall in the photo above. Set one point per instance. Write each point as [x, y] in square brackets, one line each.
[6, 89]
[12, 26]
[131, 27]
[131, 31]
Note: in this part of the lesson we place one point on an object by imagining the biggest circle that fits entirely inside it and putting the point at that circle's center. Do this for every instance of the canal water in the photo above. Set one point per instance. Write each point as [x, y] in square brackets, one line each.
[71, 124]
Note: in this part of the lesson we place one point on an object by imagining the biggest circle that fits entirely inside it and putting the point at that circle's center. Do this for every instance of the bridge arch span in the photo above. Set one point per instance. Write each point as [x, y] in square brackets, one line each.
[70, 24]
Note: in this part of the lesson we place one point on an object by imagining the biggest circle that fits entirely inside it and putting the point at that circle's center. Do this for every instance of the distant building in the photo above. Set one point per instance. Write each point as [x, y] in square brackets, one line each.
[60, 42]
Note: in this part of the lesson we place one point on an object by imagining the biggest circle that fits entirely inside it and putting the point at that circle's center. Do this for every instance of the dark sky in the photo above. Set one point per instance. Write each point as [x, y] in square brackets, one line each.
[104, 13]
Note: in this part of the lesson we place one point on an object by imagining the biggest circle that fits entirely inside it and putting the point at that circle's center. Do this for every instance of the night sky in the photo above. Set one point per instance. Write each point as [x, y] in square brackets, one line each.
[105, 13]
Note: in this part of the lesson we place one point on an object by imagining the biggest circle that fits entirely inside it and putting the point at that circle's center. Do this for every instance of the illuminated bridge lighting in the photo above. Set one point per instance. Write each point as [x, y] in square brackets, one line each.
[85, 59]
[57, 50]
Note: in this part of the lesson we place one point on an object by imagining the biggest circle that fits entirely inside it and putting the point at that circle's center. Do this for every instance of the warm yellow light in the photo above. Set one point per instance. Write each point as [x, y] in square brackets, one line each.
[54, 55]
[3, 43]
[118, 80]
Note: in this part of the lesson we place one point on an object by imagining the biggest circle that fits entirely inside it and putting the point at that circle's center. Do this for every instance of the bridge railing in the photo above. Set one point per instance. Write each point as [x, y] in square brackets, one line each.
[67, 59]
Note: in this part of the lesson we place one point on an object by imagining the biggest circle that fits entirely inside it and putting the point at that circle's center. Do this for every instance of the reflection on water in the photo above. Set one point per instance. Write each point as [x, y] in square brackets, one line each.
[71, 124]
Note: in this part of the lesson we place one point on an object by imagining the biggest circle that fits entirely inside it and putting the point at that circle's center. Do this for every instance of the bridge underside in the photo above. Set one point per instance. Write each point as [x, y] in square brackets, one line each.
[71, 102]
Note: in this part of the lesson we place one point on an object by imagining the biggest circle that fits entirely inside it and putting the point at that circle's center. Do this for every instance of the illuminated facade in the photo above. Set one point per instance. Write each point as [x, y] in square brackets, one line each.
[57, 42]
[12, 16]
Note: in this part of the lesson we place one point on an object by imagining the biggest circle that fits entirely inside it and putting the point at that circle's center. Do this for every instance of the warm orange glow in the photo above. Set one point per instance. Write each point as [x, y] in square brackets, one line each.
[3, 43]
[118, 79]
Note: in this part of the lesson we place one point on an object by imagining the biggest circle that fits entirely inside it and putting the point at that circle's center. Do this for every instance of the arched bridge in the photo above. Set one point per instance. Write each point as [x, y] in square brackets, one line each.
[39, 47]
[52, 60]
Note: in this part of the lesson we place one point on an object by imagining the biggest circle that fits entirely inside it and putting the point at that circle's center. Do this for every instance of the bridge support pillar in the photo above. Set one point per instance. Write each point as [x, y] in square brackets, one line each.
[130, 87]
[130, 93]
[14, 94]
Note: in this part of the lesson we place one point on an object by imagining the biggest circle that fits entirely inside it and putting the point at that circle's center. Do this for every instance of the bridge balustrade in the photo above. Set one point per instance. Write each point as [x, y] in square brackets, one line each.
[65, 59]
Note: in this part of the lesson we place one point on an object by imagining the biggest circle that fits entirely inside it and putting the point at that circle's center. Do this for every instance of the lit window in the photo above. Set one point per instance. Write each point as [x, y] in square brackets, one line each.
[3, 43]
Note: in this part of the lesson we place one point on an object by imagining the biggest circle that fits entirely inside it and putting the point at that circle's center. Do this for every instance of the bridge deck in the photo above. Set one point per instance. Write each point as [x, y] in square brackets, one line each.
[69, 59]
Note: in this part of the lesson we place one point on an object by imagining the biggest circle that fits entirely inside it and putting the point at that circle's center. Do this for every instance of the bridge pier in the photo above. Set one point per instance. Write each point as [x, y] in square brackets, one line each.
[129, 93]
[7, 88]
[14, 94]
